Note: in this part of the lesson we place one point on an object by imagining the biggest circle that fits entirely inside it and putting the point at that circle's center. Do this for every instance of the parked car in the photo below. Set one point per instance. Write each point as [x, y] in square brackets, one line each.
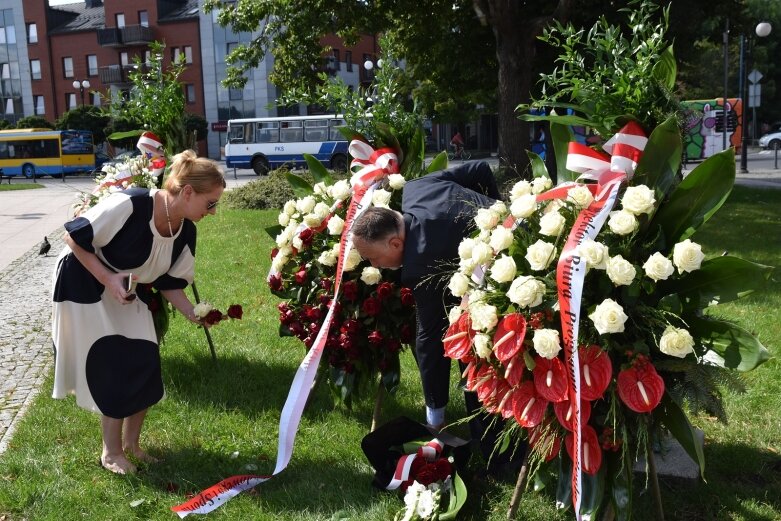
[100, 159]
[771, 141]
[123, 157]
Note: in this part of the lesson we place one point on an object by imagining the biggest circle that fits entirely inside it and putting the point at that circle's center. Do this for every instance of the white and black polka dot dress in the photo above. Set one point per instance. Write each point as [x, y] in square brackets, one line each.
[106, 353]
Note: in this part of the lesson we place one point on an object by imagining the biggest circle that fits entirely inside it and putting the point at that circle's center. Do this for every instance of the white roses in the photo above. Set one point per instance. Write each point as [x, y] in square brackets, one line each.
[459, 284]
[609, 317]
[540, 255]
[503, 269]
[638, 200]
[676, 342]
[526, 291]
[620, 271]
[658, 267]
[546, 343]
[371, 275]
[622, 222]
[687, 256]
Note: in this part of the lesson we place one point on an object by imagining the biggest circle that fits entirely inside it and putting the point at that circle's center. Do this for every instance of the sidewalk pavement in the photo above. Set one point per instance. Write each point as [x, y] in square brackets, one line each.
[26, 216]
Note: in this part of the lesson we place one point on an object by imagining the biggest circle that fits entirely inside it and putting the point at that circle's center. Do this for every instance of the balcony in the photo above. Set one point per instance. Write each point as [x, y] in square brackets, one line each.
[126, 36]
[113, 74]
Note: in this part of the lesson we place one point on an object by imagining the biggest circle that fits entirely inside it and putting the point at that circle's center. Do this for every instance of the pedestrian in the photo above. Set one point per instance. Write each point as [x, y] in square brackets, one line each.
[105, 346]
[437, 212]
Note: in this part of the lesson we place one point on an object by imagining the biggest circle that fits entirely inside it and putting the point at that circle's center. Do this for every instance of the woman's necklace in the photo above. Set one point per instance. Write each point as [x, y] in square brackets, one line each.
[168, 217]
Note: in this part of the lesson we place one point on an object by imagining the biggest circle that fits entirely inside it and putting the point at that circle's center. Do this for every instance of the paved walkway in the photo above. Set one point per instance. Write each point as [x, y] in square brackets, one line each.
[25, 284]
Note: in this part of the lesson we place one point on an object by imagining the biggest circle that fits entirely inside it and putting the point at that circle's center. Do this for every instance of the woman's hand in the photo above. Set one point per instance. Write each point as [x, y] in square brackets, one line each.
[116, 285]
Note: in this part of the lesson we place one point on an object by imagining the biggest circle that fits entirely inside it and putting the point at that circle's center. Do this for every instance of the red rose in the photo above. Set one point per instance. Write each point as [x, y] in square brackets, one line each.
[274, 252]
[213, 317]
[385, 290]
[407, 299]
[306, 236]
[282, 307]
[286, 317]
[351, 326]
[326, 284]
[235, 312]
[427, 475]
[444, 468]
[301, 275]
[275, 282]
[371, 306]
[350, 290]
[375, 337]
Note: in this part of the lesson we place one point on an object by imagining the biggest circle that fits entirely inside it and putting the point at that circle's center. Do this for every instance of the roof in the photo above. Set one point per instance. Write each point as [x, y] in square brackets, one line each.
[189, 10]
[76, 17]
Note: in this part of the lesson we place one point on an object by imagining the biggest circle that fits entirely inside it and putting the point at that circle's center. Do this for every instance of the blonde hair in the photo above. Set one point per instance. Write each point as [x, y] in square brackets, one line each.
[199, 172]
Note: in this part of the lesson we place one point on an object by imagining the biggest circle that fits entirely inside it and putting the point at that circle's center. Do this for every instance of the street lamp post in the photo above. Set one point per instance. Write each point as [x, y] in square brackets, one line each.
[763, 29]
[81, 85]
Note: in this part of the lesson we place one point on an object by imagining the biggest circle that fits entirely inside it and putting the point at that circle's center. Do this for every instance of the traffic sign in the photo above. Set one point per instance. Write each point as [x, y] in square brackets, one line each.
[754, 95]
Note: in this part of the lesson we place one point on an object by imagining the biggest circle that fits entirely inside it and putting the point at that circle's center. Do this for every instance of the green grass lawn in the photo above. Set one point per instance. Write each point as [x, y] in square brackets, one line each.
[19, 186]
[221, 419]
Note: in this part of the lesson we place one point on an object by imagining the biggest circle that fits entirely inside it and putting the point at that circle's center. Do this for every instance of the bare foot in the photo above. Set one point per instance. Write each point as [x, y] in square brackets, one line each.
[117, 464]
[140, 455]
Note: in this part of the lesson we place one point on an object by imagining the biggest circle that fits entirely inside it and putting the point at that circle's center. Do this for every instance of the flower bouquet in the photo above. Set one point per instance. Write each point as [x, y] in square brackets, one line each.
[374, 317]
[423, 465]
[591, 338]
[209, 315]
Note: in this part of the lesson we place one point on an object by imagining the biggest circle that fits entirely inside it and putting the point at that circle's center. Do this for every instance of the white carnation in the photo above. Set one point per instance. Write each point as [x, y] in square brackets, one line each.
[676, 342]
[658, 267]
[482, 345]
[687, 256]
[608, 317]
[638, 200]
[551, 224]
[526, 291]
[622, 222]
[595, 253]
[396, 181]
[546, 343]
[620, 271]
[483, 316]
[503, 269]
[501, 238]
[540, 255]
[371, 275]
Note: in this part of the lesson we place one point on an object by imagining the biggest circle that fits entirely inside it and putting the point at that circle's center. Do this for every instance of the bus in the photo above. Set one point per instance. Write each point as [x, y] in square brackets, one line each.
[267, 143]
[38, 151]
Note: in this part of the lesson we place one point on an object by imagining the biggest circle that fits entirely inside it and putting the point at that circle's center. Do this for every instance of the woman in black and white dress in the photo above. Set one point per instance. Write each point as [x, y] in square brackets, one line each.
[106, 350]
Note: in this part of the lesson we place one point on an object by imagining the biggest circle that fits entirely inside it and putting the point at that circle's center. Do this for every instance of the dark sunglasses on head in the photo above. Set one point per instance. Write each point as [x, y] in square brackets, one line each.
[212, 204]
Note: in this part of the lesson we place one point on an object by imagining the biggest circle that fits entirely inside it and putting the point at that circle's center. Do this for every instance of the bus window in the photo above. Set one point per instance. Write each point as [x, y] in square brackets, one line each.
[316, 130]
[268, 132]
[4, 152]
[236, 134]
[335, 134]
[291, 132]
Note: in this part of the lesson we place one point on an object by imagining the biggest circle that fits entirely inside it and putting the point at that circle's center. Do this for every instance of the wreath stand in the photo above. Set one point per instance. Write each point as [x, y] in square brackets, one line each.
[205, 329]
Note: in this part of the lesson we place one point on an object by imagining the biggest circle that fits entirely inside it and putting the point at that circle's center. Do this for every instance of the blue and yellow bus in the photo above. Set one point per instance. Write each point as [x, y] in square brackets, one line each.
[37, 151]
[266, 143]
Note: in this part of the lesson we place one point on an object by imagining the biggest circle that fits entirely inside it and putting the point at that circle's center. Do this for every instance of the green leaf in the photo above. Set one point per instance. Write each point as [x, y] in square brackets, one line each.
[538, 165]
[719, 280]
[275, 230]
[386, 138]
[730, 345]
[672, 416]
[438, 163]
[666, 69]
[350, 134]
[318, 170]
[661, 159]
[301, 186]
[119, 136]
[457, 498]
[593, 487]
[413, 156]
[697, 197]
[561, 135]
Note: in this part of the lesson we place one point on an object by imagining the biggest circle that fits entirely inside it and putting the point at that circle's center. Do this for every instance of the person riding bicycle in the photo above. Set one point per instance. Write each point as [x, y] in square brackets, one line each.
[457, 141]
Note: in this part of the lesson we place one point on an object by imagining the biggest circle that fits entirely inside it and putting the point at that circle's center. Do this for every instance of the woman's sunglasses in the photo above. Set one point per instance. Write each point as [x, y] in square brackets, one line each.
[212, 204]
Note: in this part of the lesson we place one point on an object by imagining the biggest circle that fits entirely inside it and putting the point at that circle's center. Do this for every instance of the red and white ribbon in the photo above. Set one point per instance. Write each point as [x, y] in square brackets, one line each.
[624, 150]
[290, 418]
[369, 165]
[430, 451]
[152, 147]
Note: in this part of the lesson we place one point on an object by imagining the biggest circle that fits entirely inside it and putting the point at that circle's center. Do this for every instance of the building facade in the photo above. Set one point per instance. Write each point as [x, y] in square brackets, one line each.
[55, 58]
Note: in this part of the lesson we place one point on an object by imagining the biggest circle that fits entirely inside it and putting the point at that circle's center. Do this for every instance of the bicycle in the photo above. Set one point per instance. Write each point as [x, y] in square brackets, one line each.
[458, 153]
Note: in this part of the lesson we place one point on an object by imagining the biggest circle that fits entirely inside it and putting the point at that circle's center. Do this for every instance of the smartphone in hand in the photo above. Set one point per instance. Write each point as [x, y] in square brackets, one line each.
[130, 287]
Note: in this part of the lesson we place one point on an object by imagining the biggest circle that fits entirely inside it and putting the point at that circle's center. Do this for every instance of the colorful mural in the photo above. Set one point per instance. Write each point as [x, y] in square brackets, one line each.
[704, 126]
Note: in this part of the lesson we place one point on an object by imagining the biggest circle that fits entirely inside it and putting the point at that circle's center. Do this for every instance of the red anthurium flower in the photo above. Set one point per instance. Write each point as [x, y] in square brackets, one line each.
[475, 373]
[497, 402]
[565, 414]
[486, 385]
[591, 452]
[514, 370]
[640, 387]
[546, 437]
[528, 406]
[505, 404]
[458, 339]
[596, 370]
[508, 339]
[550, 378]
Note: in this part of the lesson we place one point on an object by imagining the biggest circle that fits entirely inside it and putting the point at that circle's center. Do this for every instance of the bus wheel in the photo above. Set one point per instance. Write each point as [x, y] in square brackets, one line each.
[260, 165]
[339, 163]
[28, 170]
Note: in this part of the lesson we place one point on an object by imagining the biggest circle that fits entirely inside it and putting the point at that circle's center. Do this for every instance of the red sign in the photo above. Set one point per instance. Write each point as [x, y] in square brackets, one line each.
[219, 126]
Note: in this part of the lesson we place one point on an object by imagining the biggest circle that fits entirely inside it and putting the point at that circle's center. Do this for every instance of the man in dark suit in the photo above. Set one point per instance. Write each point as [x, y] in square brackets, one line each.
[437, 212]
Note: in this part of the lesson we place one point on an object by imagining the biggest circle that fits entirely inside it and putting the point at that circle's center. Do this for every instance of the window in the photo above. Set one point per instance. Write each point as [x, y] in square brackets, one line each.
[32, 33]
[176, 52]
[143, 18]
[40, 108]
[67, 67]
[335, 134]
[316, 130]
[291, 131]
[92, 65]
[235, 94]
[188, 54]
[35, 69]
[190, 93]
[5, 71]
[70, 100]
[268, 132]
[348, 58]
[95, 98]
[337, 61]
[147, 56]
[123, 59]
[120, 19]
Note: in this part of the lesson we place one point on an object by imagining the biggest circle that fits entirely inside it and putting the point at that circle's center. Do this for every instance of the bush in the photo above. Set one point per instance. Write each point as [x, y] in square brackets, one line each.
[270, 192]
